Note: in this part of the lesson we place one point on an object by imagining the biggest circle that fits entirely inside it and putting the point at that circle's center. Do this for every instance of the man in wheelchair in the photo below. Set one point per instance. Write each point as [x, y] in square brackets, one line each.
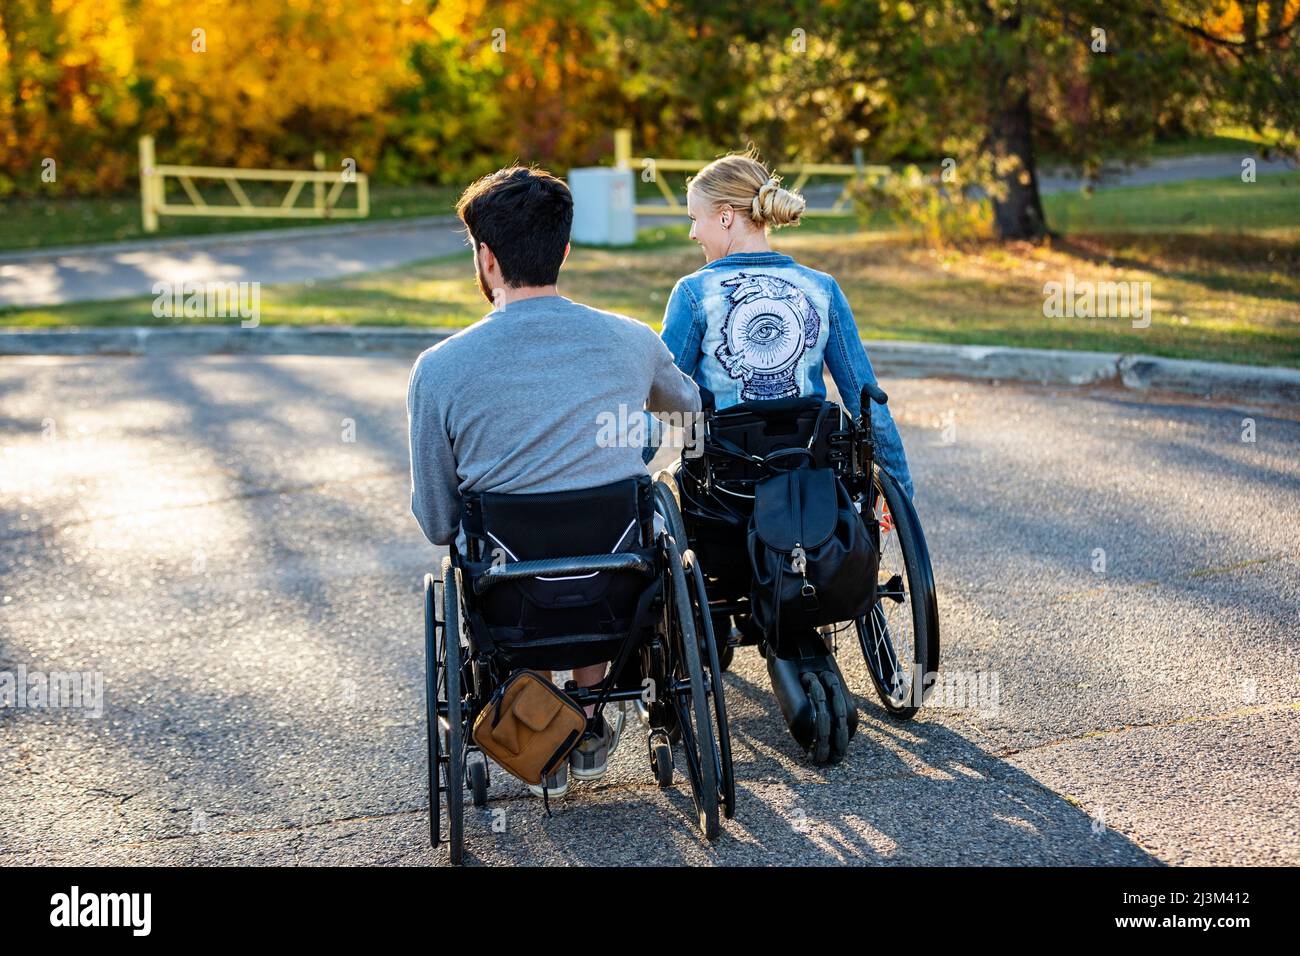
[508, 409]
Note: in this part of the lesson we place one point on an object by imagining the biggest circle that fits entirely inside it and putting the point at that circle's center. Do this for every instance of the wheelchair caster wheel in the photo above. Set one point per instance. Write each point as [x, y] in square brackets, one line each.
[476, 776]
[661, 759]
[821, 714]
[724, 659]
[830, 720]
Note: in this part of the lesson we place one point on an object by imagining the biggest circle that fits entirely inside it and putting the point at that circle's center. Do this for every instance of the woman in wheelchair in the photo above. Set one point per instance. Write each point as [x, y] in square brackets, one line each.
[756, 330]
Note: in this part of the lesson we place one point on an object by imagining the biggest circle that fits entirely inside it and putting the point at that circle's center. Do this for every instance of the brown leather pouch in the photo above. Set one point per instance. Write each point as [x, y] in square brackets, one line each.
[529, 726]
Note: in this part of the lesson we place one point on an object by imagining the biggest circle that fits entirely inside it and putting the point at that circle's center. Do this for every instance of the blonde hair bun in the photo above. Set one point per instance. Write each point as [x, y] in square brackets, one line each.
[775, 206]
[741, 182]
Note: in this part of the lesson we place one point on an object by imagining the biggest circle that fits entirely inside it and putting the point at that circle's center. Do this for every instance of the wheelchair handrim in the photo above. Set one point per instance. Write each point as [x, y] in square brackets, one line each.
[899, 638]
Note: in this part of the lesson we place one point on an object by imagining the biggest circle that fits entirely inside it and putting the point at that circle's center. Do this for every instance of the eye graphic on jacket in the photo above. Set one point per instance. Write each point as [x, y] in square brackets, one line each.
[768, 333]
[768, 327]
[765, 332]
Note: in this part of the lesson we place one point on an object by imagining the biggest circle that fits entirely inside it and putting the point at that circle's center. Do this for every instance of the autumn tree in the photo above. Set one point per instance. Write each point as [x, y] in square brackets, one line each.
[976, 80]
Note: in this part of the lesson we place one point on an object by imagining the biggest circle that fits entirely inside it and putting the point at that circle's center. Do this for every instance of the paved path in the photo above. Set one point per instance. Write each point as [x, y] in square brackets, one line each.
[112, 272]
[119, 271]
[1174, 169]
[248, 584]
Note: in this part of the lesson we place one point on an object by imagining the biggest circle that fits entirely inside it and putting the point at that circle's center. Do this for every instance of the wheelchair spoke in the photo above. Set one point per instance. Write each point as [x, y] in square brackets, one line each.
[884, 661]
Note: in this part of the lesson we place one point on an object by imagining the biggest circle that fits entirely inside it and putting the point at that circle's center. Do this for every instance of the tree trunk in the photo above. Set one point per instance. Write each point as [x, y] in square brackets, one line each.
[1019, 214]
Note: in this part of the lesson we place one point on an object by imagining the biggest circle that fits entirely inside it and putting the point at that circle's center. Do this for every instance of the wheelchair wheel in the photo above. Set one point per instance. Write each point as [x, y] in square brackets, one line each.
[686, 678]
[668, 504]
[666, 491]
[900, 638]
[658, 714]
[661, 758]
[445, 722]
[727, 654]
[432, 731]
[715, 667]
[477, 777]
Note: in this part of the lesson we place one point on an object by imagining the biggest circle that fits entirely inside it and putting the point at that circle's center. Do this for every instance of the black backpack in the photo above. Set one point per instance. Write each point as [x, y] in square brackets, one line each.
[812, 557]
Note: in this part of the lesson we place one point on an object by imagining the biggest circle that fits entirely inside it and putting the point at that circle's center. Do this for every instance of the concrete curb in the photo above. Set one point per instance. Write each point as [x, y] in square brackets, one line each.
[1044, 366]
[1212, 380]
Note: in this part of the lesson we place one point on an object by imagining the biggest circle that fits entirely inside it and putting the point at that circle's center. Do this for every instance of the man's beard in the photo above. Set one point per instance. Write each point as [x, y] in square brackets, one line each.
[483, 286]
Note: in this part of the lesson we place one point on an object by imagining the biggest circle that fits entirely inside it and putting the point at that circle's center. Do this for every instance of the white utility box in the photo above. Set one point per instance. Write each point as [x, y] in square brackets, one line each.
[602, 206]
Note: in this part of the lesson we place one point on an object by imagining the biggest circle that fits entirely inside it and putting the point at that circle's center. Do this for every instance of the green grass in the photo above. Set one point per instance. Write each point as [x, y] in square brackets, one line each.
[1225, 283]
[41, 223]
[1240, 142]
[1228, 140]
[1270, 203]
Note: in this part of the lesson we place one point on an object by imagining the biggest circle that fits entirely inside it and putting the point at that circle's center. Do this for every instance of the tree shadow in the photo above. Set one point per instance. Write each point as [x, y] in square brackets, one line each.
[1254, 258]
[226, 695]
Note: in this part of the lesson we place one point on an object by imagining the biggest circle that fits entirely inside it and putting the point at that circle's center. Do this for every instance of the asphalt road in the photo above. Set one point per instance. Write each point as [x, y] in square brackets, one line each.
[115, 271]
[247, 582]
[89, 273]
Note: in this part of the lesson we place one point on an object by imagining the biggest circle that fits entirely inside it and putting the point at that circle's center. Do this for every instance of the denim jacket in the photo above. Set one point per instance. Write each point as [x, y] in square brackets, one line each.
[758, 325]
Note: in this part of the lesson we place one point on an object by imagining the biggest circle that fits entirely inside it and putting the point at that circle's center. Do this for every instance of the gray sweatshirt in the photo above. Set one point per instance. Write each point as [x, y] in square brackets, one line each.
[523, 400]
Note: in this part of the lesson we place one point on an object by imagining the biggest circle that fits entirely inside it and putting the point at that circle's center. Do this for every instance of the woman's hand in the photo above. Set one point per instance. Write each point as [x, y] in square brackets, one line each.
[885, 518]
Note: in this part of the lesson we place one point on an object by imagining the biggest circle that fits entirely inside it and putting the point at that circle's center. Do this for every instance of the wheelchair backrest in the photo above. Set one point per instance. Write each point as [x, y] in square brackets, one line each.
[761, 428]
[562, 620]
[526, 527]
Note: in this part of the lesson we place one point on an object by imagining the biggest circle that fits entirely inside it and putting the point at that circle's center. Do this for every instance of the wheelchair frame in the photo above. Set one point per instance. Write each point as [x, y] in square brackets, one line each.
[911, 581]
[680, 658]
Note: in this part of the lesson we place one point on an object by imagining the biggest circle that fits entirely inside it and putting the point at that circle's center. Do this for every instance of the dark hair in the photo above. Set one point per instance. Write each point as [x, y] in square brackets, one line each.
[524, 216]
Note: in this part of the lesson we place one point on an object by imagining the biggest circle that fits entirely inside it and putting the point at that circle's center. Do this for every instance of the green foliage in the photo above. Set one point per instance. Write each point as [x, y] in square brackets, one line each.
[443, 90]
[1227, 296]
[950, 206]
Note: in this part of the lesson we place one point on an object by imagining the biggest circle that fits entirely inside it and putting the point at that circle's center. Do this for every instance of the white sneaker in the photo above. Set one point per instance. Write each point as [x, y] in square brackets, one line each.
[557, 784]
[590, 759]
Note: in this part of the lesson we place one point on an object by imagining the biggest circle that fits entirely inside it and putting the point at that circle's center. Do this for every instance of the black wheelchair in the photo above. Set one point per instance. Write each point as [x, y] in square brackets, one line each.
[564, 580]
[899, 636]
